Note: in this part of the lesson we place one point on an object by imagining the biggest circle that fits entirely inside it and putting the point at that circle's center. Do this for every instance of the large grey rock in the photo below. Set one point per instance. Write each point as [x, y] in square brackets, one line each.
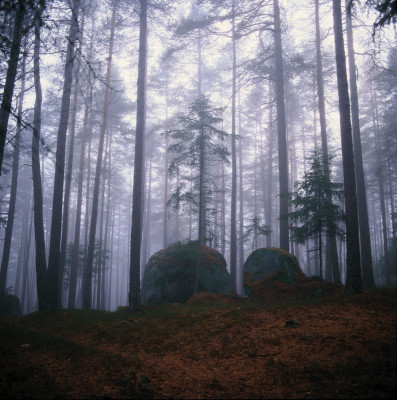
[266, 266]
[10, 306]
[170, 274]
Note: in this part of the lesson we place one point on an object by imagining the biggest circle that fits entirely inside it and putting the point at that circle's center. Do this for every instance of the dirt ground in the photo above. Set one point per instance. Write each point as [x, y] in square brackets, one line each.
[331, 346]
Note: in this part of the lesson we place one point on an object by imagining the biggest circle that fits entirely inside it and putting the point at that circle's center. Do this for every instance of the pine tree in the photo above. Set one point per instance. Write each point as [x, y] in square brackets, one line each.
[198, 145]
[314, 212]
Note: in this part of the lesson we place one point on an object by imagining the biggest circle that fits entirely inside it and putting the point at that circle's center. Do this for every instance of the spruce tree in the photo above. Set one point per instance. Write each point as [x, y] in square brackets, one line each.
[314, 212]
[198, 145]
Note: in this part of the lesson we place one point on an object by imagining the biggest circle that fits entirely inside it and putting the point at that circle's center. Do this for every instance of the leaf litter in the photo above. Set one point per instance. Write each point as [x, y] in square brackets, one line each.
[335, 346]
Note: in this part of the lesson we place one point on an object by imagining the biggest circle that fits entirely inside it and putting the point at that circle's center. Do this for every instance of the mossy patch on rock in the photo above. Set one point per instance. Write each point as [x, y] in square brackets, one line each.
[10, 306]
[274, 274]
[270, 267]
[170, 274]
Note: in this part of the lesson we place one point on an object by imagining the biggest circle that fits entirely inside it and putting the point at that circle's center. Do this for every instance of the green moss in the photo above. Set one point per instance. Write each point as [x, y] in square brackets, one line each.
[170, 274]
[269, 265]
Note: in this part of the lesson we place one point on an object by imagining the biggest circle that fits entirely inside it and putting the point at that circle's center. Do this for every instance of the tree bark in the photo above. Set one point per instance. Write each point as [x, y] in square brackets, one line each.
[240, 278]
[146, 242]
[87, 277]
[69, 167]
[391, 195]
[108, 212]
[100, 259]
[77, 226]
[223, 196]
[281, 129]
[353, 272]
[233, 205]
[365, 238]
[202, 223]
[382, 201]
[23, 240]
[8, 91]
[56, 219]
[165, 205]
[25, 264]
[380, 177]
[136, 225]
[331, 259]
[14, 184]
[269, 172]
[110, 280]
[41, 264]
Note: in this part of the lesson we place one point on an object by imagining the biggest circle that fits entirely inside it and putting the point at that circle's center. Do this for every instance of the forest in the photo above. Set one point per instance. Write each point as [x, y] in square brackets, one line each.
[198, 198]
[130, 127]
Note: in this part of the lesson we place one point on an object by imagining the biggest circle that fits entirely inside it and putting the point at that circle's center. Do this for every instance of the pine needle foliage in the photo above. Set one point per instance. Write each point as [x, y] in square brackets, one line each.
[198, 145]
[313, 214]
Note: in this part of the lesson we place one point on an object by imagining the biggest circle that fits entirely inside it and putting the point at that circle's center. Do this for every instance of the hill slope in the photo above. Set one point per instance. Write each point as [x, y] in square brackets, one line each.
[215, 347]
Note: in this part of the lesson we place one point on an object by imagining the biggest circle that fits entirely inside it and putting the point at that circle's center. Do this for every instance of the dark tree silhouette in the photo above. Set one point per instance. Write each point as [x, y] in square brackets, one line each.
[281, 129]
[134, 296]
[8, 91]
[353, 271]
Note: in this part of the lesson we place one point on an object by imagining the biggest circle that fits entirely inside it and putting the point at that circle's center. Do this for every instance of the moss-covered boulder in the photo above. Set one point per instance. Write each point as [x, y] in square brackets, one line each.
[270, 268]
[10, 306]
[170, 274]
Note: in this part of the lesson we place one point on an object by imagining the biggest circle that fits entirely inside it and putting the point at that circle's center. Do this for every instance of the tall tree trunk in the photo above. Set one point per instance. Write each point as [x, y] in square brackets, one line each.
[240, 278]
[382, 201]
[41, 264]
[105, 243]
[118, 291]
[202, 222]
[136, 225]
[56, 219]
[69, 167]
[375, 243]
[165, 204]
[100, 259]
[222, 191]
[223, 209]
[353, 272]
[320, 255]
[233, 205]
[269, 174]
[293, 169]
[23, 240]
[87, 277]
[25, 264]
[146, 242]
[391, 194]
[8, 91]
[77, 226]
[380, 177]
[255, 239]
[13, 191]
[365, 238]
[110, 280]
[281, 129]
[177, 230]
[331, 259]
[88, 181]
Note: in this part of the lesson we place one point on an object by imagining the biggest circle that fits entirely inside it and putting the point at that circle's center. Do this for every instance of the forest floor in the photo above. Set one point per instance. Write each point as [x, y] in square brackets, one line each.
[335, 346]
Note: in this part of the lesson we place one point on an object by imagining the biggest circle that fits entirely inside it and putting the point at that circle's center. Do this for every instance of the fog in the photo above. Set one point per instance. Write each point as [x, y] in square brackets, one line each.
[106, 169]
